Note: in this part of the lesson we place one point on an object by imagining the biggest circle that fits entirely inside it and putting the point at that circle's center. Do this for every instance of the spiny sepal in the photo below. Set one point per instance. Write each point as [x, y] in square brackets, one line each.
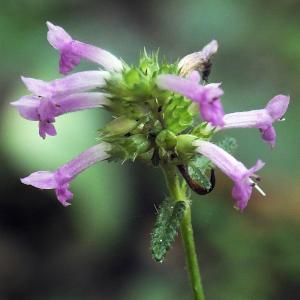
[128, 147]
[166, 227]
[203, 131]
[138, 83]
[179, 113]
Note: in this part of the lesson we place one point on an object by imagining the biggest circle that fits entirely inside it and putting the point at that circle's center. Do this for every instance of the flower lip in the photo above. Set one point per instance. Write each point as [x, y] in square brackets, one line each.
[57, 36]
[278, 106]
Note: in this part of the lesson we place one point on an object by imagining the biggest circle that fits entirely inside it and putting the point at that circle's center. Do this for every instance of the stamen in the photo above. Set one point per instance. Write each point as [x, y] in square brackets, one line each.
[257, 187]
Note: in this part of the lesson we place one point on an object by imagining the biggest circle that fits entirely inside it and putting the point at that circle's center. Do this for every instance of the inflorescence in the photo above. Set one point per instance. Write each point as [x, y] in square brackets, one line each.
[155, 107]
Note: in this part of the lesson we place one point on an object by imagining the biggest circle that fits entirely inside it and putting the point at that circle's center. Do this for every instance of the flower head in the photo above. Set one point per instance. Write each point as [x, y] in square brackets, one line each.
[61, 178]
[71, 51]
[235, 170]
[207, 96]
[262, 119]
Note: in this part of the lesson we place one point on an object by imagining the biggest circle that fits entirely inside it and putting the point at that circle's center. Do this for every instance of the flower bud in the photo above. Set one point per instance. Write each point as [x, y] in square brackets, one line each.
[185, 148]
[119, 126]
[166, 139]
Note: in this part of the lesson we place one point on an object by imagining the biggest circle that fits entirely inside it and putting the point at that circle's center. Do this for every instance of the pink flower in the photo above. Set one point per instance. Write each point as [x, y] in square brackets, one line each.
[262, 119]
[71, 51]
[61, 178]
[60, 96]
[235, 170]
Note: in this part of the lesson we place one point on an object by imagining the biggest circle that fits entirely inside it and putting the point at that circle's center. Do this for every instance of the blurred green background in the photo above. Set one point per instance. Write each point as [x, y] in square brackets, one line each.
[99, 247]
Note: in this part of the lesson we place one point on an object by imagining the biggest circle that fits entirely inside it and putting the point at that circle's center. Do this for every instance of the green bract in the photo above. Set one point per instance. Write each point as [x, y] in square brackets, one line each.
[161, 119]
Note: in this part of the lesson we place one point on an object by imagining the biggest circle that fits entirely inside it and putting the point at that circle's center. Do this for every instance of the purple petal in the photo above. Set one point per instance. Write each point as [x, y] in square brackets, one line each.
[37, 87]
[212, 111]
[64, 195]
[68, 60]
[27, 107]
[277, 106]
[241, 192]
[258, 165]
[185, 87]
[194, 76]
[268, 134]
[41, 180]
[57, 36]
[47, 110]
[46, 128]
[80, 101]
[77, 82]
[206, 96]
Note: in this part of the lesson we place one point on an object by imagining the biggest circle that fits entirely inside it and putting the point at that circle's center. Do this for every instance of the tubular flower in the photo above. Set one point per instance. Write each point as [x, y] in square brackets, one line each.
[36, 108]
[60, 96]
[207, 96]
[61, 178]
[71, 51]
[262, 119]
[235, 170]
[74, 83]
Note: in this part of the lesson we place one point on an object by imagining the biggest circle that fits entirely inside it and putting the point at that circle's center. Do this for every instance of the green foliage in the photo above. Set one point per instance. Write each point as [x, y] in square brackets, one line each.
[141, 108]
[229, 144]
[178, 113]
[128, 147]
[203, 130]
[199, 176]
[166, 227]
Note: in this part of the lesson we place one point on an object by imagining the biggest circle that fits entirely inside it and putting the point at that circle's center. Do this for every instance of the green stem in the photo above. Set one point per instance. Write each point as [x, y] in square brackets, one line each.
[178, 193]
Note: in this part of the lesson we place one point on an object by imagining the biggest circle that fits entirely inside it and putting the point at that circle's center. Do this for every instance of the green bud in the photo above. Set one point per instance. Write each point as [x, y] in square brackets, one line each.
[185, 146]
[203, 130]
[119, 126]
[131, 147]
[166, 140]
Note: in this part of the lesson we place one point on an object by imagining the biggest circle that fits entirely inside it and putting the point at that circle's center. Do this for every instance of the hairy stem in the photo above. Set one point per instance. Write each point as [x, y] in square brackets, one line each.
[178, 193]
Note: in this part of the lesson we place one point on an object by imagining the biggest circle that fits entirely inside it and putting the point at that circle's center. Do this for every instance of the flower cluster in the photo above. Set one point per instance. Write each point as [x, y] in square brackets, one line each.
[156, 108]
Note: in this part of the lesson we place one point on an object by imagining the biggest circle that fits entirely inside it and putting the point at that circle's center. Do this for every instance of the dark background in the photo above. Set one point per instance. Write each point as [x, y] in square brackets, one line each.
[99, 247]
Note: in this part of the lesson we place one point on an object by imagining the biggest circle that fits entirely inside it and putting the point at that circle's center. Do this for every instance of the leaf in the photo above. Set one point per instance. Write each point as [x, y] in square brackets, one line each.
[229, 144]
[166, 227]
[201, 165]
[199, 176]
